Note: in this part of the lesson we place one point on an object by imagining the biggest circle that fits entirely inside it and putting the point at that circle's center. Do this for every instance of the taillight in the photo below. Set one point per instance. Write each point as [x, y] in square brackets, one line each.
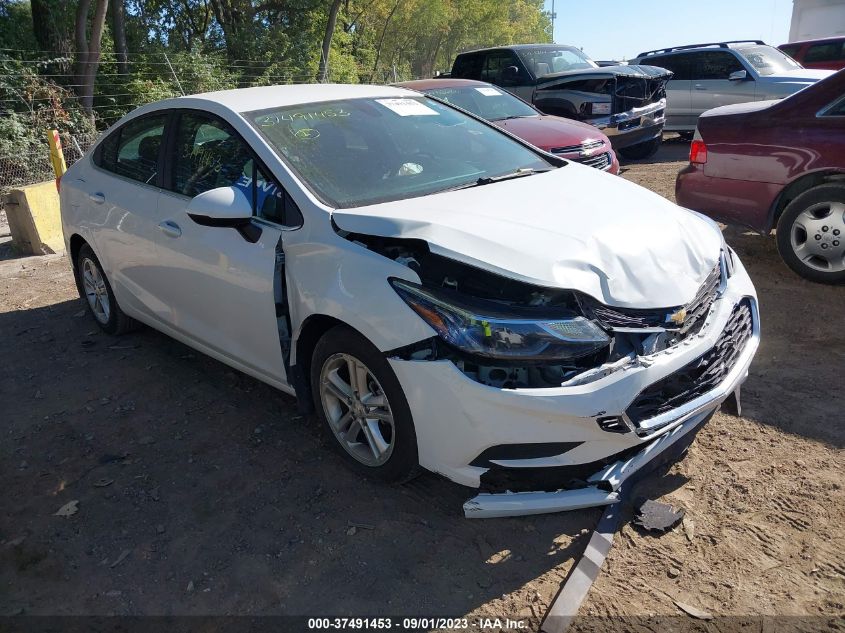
[698, 152]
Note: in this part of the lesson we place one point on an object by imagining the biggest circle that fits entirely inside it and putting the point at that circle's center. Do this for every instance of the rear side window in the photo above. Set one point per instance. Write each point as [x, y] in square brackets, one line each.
[468, 66]
[678, 64]
[715, 65]
[828, 52]
[133, 149]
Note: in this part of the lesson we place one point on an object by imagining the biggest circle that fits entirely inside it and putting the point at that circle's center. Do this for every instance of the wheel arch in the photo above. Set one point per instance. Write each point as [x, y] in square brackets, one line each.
[312, 330]
[796, 188]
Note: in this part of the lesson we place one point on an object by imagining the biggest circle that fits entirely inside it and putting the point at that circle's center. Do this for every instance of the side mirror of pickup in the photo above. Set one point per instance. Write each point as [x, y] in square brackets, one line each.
[510, 73]
[738, 75]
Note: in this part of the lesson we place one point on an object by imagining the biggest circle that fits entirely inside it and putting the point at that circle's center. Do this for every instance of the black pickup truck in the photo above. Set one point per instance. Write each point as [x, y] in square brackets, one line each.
[628, 103]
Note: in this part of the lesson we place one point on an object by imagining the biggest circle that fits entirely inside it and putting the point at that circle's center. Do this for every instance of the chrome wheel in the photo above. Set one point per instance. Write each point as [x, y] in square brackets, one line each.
[817, 237]
[96, 291]
[357, 409]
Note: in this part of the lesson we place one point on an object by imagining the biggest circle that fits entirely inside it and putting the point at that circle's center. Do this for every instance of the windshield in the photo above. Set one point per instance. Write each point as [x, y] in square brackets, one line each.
[364, 151]
[767, 60]
[545, 60]
[488, 102]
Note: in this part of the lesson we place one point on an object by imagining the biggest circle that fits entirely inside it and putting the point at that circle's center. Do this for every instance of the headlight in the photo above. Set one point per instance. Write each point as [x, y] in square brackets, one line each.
[488, 331]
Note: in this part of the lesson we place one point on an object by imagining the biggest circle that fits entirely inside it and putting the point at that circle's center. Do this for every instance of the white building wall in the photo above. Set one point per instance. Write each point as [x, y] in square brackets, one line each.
[812, 19]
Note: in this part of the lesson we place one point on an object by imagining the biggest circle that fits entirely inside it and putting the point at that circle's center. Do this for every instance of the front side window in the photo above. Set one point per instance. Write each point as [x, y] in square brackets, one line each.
[210, 154]
[364, 151]
[767, 60]
[133, 149]
[487, 102]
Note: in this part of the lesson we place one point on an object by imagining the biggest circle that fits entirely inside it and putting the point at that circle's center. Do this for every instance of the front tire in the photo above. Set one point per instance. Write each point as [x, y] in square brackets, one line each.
[811, 234]
[95, 288]
[362, 406]
[641, 151]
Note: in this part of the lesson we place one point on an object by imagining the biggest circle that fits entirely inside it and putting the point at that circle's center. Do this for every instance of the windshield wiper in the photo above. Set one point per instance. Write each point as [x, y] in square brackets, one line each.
[489, 180]
[514, 116]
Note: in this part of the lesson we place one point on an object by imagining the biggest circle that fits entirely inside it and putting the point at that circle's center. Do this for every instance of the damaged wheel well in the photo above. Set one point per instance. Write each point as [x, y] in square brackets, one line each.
[76, 242]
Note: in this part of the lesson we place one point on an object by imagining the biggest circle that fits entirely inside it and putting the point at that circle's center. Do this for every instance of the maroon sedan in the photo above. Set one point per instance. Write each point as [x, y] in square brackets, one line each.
[777, 164]
[569, 139]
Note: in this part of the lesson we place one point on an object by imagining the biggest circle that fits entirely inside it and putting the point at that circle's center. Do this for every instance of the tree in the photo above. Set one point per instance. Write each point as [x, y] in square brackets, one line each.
[331, 22]
[118, 33]
[88, 49]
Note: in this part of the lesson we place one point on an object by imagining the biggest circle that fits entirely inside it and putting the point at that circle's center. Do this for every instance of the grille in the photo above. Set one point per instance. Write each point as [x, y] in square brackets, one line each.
[572, 149]
[701, 375]
[602, 161]
[696, 311]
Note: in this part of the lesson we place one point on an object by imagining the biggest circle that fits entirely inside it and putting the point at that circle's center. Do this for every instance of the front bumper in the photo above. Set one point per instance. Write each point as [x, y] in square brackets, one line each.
[633, 126]
[457, 419]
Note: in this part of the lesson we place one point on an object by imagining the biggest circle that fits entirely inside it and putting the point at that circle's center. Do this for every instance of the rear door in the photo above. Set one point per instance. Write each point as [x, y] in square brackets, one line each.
[223, 287]
[679, 114]
[121, 196]
[711, 87]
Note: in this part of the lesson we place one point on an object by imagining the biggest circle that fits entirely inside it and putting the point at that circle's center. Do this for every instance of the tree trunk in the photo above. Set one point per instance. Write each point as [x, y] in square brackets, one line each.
[381, 39]
[88, 50]
[118, 27]
[327, 41]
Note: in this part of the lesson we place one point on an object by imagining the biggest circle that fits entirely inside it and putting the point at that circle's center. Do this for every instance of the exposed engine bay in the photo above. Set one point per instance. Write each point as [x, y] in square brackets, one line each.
[625, 87]
[631, 333]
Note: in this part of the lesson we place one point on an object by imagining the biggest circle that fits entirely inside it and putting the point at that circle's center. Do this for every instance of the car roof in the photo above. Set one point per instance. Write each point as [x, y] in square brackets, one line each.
[445, 82]
[818, 40]
[264, 97]
[688, 48]
[517, 47]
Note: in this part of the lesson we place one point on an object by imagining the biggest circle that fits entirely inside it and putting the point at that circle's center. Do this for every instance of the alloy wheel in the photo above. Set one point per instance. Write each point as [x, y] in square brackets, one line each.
[95, 291]
[357, 409]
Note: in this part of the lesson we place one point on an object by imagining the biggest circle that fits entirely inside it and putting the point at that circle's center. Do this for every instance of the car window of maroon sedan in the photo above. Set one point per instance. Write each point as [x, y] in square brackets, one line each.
[488, 102]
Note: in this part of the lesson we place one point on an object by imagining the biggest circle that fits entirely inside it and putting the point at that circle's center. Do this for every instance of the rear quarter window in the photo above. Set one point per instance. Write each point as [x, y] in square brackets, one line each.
[468, 66]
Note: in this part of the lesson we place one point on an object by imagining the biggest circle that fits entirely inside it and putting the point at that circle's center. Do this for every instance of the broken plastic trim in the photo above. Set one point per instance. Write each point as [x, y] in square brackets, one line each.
[606, 484]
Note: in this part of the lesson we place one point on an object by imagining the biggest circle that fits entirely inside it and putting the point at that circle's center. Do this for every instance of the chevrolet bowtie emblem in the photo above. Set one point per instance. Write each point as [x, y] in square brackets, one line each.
[678, 317]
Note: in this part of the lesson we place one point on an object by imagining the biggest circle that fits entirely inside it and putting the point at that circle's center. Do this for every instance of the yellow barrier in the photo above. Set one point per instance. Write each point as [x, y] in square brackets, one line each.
[34, 219]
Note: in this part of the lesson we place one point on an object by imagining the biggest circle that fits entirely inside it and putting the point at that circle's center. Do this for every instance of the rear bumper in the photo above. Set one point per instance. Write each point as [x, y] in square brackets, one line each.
[744, 202]
[634, 126]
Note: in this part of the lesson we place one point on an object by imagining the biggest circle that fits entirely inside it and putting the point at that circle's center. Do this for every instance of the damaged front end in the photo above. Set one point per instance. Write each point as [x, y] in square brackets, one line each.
[628, 103]
[572, 397]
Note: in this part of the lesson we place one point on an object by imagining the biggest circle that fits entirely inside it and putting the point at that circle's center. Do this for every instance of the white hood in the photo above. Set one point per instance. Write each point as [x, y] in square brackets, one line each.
[800, 75]
[574, 227]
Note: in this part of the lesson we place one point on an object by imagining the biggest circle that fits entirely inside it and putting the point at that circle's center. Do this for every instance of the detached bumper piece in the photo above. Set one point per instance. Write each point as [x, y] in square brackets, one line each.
[604, 486]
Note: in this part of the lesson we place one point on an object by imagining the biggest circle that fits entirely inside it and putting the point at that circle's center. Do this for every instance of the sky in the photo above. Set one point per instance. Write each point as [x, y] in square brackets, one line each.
[620, 29]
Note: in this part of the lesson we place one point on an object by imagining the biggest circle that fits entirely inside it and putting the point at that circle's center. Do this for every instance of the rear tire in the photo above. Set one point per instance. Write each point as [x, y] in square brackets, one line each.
[362, 407]
[641, 151]
[811, 234]
[95, 289]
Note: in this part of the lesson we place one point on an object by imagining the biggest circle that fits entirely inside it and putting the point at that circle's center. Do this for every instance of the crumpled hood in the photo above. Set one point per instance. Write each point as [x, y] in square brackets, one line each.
[626, 70]
[574, 227]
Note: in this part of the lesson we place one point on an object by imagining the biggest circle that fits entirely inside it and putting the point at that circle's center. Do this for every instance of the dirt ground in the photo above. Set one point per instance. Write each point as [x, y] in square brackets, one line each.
[203, 491]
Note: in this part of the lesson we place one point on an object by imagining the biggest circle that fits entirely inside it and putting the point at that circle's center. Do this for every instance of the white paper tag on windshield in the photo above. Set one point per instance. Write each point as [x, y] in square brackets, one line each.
[407, 107]
[489, 92]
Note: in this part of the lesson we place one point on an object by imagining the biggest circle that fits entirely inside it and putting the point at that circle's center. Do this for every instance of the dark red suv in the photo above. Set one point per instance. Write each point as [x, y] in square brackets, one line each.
[777, 164]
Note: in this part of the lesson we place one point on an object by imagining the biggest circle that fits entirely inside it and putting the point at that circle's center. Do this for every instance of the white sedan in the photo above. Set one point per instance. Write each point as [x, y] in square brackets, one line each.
[441, 293]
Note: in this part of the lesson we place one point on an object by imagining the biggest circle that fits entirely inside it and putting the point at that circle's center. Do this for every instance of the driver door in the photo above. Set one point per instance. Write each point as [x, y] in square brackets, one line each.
[222, 284]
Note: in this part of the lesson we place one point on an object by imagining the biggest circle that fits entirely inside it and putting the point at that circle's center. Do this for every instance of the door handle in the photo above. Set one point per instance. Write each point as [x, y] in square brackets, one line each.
[699, 87]
[170, 228]
[97, 197]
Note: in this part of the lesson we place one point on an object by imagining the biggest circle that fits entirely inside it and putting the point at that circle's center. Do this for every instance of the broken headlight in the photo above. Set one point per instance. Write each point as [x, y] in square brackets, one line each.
[484, 328]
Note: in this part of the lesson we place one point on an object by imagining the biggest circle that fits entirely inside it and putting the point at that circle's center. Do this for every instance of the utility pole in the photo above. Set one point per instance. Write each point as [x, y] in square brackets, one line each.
[554, 15]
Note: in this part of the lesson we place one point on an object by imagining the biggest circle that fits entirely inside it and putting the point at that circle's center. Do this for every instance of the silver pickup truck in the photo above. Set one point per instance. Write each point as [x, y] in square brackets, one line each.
[628, 103]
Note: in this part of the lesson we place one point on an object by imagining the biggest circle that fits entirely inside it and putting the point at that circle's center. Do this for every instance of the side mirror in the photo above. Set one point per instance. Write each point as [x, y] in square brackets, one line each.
[224, 206]
[738, 75]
